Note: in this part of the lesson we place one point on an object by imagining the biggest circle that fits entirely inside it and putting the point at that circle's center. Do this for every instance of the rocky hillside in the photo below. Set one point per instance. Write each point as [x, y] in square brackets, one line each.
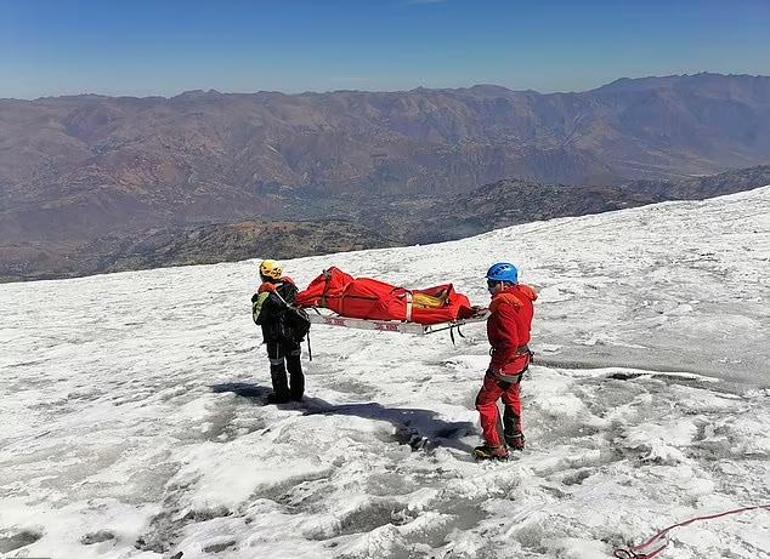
[358, 224]
[77, 168]
[177, 246]
[511, 202]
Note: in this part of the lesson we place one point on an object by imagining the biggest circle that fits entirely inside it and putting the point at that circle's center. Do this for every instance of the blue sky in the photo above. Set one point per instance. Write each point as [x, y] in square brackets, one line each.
[143, 47]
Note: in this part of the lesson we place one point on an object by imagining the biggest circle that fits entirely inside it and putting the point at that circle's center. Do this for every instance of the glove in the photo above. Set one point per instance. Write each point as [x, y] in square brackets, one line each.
[267, 287]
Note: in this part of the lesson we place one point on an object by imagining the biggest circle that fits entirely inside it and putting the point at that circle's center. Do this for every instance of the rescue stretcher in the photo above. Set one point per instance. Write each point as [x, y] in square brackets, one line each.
[324, 317]
[336, 298]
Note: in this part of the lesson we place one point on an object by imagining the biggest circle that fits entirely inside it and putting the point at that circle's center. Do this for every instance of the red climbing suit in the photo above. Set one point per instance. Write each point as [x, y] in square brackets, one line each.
[508, 330]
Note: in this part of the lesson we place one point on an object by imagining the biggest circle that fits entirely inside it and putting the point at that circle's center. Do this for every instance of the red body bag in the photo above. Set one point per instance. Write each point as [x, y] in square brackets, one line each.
[372, 299]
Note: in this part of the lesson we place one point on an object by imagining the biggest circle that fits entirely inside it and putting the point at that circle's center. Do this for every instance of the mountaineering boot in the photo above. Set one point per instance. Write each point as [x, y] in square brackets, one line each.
[276, 398]
[514, 438]
[280, 394]
[515, 441]
[296, 378]
[486, 452]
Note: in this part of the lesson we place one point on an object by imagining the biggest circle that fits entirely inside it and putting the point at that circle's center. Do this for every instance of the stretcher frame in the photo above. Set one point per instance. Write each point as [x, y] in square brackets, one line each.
[328, 318]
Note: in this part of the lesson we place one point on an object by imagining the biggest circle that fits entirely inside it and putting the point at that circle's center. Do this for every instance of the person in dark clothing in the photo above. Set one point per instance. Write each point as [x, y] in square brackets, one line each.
[282, 332]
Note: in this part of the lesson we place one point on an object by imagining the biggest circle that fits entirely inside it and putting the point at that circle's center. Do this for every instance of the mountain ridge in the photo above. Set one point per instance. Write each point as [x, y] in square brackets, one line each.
[74, 170]
[621, 80]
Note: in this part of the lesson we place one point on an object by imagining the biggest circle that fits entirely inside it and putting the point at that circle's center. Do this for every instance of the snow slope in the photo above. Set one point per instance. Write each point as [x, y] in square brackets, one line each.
[135, 426]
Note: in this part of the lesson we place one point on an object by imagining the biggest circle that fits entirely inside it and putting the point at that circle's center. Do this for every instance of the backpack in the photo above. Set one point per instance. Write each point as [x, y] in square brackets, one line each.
[297, 322]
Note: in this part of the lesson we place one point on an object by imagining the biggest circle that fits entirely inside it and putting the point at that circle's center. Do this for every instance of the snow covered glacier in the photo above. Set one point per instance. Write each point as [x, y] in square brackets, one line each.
[134, 425]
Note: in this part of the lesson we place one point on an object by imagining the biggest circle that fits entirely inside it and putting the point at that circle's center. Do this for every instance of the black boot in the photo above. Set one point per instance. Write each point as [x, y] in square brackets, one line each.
[275, 398]
[515, 441]
[296, 378]
[280, 393]
[514, 438]
[487, 452]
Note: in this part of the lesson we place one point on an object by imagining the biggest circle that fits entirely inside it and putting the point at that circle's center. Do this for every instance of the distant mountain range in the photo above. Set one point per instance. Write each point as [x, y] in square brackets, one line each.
[76, 171]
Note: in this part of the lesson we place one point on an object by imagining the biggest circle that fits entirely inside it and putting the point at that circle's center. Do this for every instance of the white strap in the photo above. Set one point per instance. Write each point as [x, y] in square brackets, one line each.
[409, 306]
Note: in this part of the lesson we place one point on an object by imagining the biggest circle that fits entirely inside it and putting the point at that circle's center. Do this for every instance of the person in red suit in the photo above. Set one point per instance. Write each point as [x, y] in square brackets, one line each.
[508, 329]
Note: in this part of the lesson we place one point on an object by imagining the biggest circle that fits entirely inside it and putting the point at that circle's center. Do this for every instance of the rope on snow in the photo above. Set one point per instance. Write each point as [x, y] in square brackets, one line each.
[657, 543]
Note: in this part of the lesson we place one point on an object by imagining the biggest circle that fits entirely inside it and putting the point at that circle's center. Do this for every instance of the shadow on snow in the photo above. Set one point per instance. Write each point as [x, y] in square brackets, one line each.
[420, 429]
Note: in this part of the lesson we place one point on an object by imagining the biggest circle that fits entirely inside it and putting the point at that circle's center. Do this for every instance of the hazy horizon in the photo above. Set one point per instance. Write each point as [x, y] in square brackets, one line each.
[72, 47]
[364, 90]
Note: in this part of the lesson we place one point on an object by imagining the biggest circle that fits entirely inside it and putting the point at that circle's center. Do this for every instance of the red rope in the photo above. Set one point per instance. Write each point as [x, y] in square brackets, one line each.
[636, 552]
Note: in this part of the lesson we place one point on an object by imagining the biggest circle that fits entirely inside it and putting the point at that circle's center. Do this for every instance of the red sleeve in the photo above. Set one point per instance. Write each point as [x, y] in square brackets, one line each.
[509, 334]
[266, 287]
[504, 334]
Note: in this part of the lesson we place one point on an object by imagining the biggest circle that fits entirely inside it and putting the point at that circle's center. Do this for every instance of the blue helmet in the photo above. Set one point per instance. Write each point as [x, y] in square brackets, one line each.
[503, 271]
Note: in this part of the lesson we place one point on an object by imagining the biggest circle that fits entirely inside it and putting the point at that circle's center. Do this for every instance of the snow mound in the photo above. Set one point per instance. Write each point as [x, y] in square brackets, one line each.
[136, 423]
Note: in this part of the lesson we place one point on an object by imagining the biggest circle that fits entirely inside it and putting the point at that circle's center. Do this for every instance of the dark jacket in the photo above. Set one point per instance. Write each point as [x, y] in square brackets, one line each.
[270, 309]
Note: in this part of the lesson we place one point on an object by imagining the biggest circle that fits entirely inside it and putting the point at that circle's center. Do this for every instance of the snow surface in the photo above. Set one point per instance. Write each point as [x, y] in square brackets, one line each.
[135, 424]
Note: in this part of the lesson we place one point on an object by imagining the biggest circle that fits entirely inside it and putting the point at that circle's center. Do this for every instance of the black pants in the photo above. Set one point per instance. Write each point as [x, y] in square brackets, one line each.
[286, 356]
